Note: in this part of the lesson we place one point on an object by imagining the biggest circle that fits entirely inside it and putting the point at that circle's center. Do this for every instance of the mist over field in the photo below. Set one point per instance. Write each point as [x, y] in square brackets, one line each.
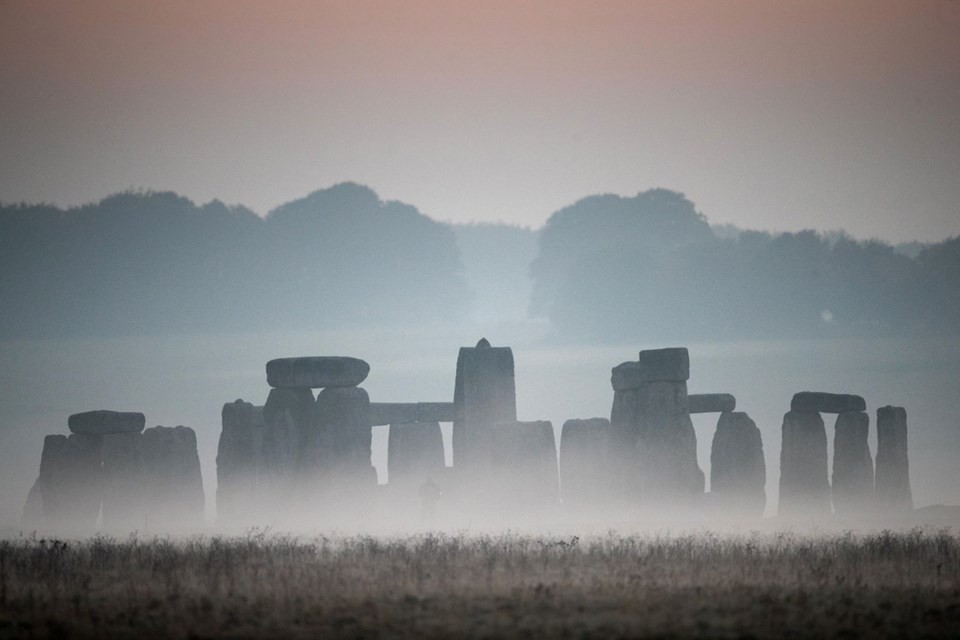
[555, 318]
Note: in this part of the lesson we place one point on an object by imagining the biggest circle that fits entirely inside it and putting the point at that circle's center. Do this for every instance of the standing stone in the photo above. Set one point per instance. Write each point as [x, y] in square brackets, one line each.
[289, 436]
[414, 455]
[893, 467]
[317, 372]
[525, 465]
[738, 471]
[667, 442]
[344, 437]
[804, 487]
[584, 472]
[239, 453]
[123, 482]
[70, 480]
[484, 395]
[623, 441]
[852, 465]
[173, 486]
[32, 516]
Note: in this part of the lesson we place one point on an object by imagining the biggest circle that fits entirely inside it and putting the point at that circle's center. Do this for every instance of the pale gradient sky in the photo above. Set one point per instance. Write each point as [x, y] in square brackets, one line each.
[767, 114]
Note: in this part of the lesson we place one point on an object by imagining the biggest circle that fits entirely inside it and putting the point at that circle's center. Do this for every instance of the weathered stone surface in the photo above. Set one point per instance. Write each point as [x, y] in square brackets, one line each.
[893, 466]
[627, 376]
[622, 456]
[317, 372]
[123, 482]
[669, 365]
[414, 455]
[711, 402]
[101, 422]
[667, 444]
[852, 480]
[525, 464]
[289, 435]
[344, 437]
[173, 486]
[239, 459]
[738, 472]
[585, 475]
[827, 402]
[484, 395]
[804, 488]
[382, 413]
[70, 480]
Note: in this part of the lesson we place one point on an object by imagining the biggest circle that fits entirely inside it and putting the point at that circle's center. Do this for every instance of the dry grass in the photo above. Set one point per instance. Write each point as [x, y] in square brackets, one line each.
[760, 585]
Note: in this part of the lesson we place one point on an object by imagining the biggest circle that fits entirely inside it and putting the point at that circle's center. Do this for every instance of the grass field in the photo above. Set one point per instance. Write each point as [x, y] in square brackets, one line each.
[464, 585]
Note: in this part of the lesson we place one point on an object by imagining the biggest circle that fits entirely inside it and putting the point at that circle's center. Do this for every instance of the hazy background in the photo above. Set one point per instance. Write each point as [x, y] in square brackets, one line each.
[575, 180]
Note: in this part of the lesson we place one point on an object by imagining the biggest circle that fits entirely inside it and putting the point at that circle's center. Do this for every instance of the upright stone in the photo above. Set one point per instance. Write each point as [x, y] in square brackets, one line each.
[738, 471]
[239, 460]
[173, 486]
[667, 443]
[289, 435]
[414, 455]
[852, 465]
[344, 437]
[804, 488]
[625, 434]
[484, 395]
[70, 480]
[585, 478]
[893, 467]
[525, 465]
[123, 482]
[32, 516]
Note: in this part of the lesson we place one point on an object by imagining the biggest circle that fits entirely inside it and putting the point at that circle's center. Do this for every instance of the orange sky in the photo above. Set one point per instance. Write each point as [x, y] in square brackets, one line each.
[767, 114]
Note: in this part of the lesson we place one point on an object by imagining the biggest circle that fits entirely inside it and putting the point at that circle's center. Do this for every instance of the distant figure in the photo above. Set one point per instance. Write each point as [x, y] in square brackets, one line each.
[429, 495]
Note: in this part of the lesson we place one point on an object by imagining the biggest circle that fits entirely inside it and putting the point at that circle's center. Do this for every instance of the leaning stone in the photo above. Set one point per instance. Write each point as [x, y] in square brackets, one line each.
[827, 402]
[32, 516]
[414, 455]
[671, 364]
[852, 480]
[711, 402]
[123, 482]
[173, 485]
[893, 465]
[525, 464]
[585, 475]
[738, 471]
[317, 372]
[484, 395]
[804, 487]
[101, 422]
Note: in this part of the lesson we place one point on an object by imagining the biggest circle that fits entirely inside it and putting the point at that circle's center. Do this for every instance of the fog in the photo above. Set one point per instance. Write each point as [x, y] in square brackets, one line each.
[149, 303]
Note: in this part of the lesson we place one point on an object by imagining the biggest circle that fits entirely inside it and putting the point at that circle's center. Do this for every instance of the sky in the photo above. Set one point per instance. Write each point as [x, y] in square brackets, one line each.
[769, 115]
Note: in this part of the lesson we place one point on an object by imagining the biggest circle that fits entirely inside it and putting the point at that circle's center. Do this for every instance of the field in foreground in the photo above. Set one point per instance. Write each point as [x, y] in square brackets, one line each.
[709, 585]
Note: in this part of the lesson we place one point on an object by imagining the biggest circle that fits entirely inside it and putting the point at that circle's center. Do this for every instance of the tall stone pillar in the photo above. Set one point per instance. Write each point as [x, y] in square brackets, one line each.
[738, 471]
[123, 482]
[484, 395]
[70, 480]
[239, 462]
[525, 466]
[414, 455]
[893, 466]
[173, 485]
[585, 479]
[852, 480]
[344, 438]
[804, 487]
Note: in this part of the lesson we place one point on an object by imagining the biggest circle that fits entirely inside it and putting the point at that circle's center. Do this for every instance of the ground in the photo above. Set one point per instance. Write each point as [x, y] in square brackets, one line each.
[753, 585]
